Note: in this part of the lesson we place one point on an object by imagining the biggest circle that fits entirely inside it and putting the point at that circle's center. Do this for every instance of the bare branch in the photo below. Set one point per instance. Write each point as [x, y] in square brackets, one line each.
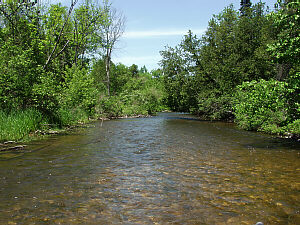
[61, 50]
[61, 32]
[113, 30]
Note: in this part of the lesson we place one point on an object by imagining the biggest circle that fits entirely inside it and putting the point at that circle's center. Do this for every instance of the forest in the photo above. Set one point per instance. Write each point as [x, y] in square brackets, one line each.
[56, 69]
[245, 68]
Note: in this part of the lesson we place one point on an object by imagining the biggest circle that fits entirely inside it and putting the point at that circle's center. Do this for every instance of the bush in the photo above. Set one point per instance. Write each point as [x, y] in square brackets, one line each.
[73, 116]
[46, 94]
[79, 90]
[133, 103]
[111, 106]
[139, 96]
[294, 127]
[262, 105]
[214, 105]
[18, 71]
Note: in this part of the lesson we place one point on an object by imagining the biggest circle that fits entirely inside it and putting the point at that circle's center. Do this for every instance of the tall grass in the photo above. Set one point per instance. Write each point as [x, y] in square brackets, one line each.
[73, 116]
[16, 125]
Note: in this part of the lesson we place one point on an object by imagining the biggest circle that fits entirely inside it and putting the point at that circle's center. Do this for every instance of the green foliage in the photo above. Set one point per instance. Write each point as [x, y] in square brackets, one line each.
[19, 69]
[294, 127]
[294, 95]
[262, 105]
[273, 106]
[78, 90]
[99, 75]
[71, 116]
[16, 125]
[44, 61]
[200, 74]
[286, 21]
[88, 21]
[179, 83]
[215, 106]
[45, 64]
[140, 95]
[45, 95]
[120, 75]
[140, 102]
[111, 106]
[231, 68]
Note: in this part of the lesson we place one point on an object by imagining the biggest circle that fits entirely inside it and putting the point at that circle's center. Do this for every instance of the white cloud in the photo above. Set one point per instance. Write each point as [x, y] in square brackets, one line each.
[159, 33]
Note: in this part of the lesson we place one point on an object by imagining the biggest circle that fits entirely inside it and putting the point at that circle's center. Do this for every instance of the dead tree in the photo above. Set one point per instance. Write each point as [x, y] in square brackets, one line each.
[112, 31]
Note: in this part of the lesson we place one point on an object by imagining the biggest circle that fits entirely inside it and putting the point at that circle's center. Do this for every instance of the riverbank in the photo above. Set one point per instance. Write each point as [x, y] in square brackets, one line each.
[24, 126]
[287, 133]
[29, 124]
[17, 125]
[21, 127]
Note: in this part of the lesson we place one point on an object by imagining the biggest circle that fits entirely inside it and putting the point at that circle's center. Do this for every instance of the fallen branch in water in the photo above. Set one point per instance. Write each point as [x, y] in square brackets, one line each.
[18, 147]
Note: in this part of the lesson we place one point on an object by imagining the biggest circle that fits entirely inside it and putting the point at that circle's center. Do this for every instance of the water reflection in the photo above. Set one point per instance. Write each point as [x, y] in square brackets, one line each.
[169, 169]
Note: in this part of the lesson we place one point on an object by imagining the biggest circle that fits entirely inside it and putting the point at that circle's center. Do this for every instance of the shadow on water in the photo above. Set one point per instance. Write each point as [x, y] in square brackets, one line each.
[277, 143]
[270, 142]
[169, 169]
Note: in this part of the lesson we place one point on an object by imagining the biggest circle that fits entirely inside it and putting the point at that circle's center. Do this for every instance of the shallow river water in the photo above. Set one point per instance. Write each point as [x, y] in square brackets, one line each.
[169, 169]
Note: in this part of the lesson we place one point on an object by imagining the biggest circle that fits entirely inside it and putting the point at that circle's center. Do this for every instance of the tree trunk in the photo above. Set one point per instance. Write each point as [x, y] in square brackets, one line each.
[107, 68]
[283, 71]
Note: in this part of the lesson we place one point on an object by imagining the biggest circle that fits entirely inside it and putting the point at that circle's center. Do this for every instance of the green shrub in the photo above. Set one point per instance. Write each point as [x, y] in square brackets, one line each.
[140, 96]
[111, 106]
[79, 90]
[262, 105]
[73, 116]
[294, 127]
[214, 105]
[46, 94]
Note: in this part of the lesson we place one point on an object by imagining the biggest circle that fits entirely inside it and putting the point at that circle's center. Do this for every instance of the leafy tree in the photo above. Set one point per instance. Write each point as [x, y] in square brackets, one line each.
[133, 69]
[19, 53]
[176, 78]
[143, 70]
[200, 74]
[38, 45]
[59, 20]
[88, 21]
[285, 49]
[121, 74]
[273, 106]
[132, 92]
[99, 74]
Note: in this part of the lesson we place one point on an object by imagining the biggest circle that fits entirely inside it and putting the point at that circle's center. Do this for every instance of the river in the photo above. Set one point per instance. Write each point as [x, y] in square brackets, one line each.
[168, 169]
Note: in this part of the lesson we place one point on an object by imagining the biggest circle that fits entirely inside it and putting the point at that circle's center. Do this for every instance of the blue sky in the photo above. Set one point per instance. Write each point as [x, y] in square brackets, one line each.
[153, 24]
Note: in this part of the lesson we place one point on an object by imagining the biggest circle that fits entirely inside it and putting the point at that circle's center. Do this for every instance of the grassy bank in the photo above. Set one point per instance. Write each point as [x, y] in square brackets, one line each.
[17, 125]
[23, 125]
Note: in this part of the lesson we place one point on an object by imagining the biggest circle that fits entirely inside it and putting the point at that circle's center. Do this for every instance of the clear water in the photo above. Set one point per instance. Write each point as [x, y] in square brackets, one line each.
[169, 169]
